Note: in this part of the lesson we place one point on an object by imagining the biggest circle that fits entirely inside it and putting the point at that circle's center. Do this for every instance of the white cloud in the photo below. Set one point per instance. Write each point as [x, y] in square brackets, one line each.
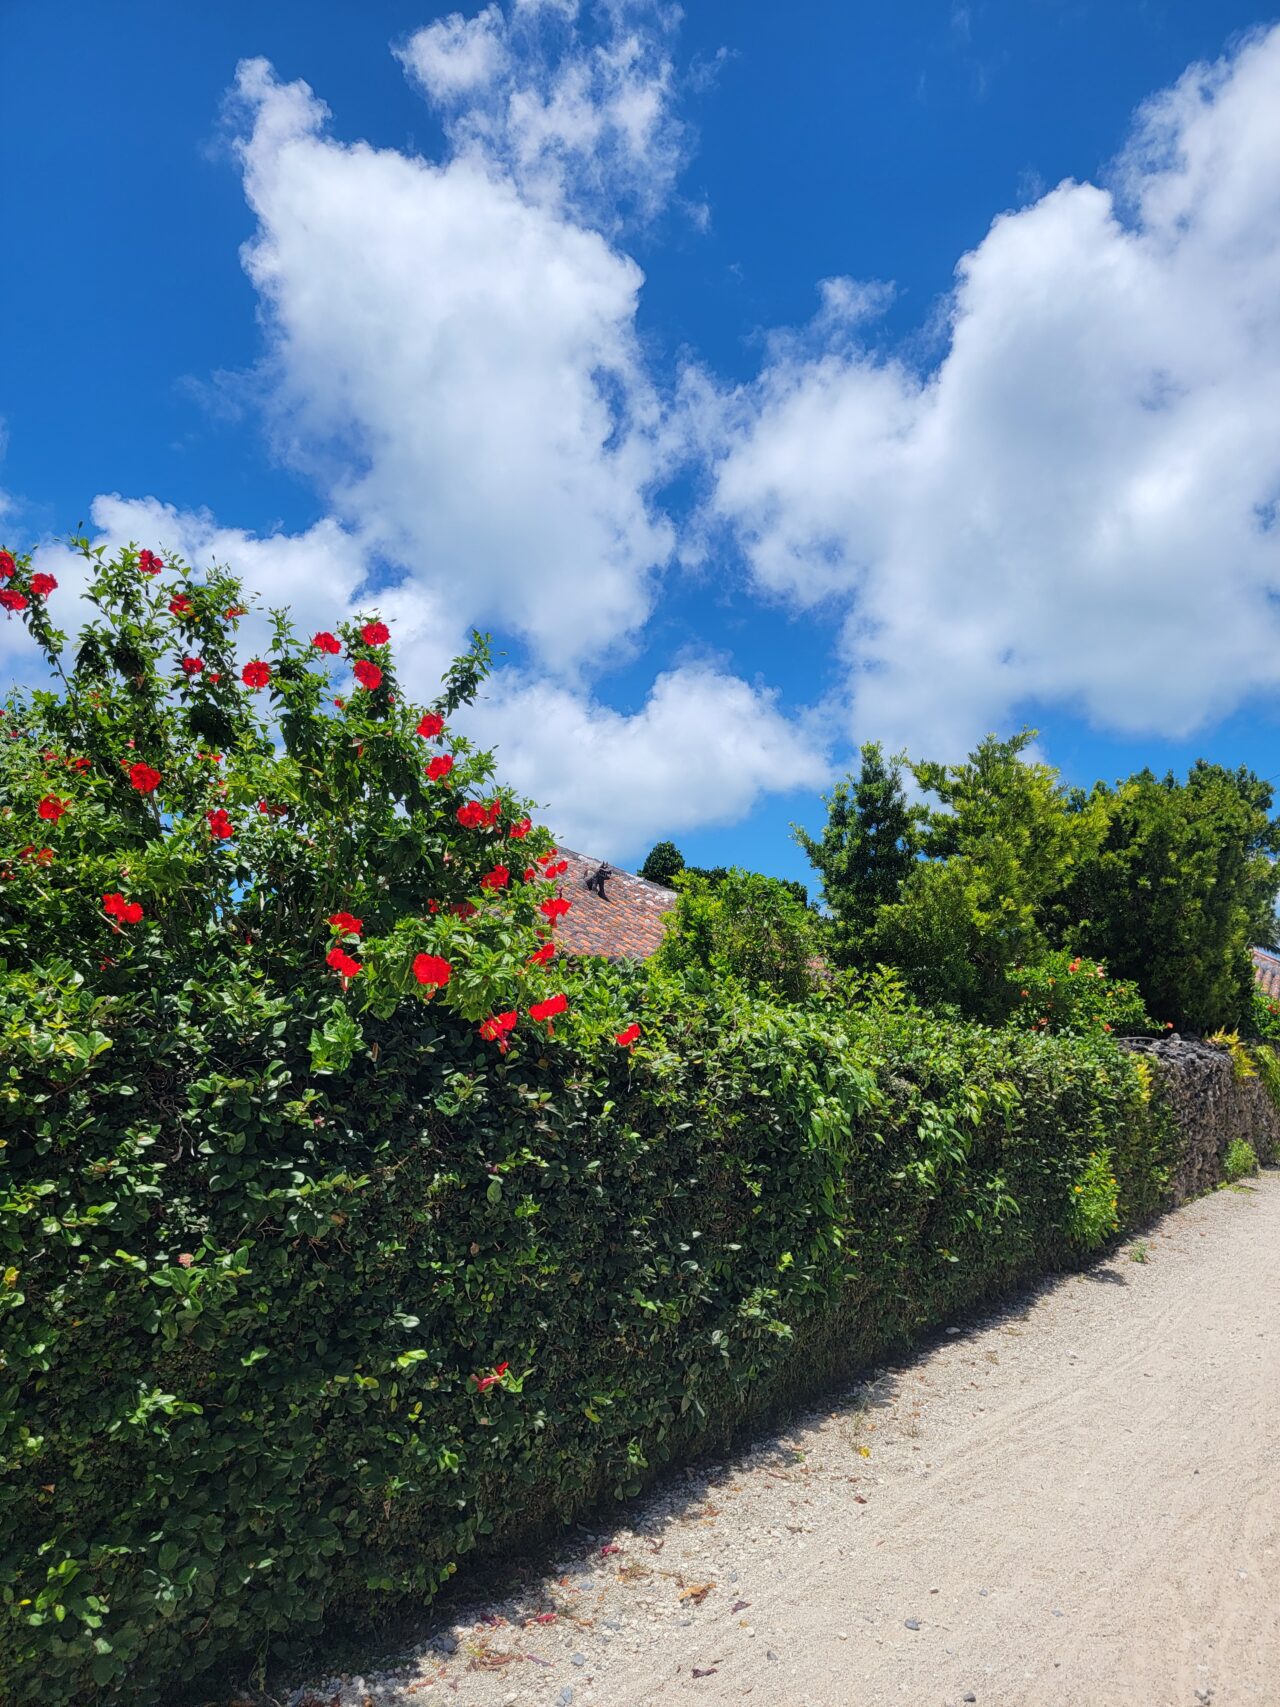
[457, 365]
[1079, 503]
[579, 123]
[456, 56]
[703, 749]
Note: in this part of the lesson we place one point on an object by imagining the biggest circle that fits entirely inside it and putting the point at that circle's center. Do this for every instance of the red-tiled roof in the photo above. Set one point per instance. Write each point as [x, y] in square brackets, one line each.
[1266, 969]
[625, 925]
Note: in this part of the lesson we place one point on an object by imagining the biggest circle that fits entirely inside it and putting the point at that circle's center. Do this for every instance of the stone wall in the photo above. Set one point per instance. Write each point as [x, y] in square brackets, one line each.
[1212, 1106]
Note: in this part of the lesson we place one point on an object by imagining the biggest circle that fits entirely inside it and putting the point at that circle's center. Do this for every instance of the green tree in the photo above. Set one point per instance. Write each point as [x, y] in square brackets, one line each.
[865, 853]
[1182, 886]
[663, 863]
[997, 851]
[745, 927]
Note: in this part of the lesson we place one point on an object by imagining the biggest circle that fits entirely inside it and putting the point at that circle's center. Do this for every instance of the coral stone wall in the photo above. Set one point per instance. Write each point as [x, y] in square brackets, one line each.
[1212, 1105]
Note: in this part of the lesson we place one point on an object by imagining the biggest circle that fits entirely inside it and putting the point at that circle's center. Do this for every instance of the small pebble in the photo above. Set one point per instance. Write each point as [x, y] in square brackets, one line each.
[842, 1635]
[565, 1697]
[578, 1660]
[970, 1696]
[912, 1623]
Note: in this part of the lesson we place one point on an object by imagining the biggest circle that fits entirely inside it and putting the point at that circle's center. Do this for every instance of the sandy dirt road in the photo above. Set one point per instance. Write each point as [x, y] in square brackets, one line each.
[1073, 1502]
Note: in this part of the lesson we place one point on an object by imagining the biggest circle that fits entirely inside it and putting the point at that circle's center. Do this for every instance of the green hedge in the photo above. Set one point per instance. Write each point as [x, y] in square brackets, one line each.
[245, 1307]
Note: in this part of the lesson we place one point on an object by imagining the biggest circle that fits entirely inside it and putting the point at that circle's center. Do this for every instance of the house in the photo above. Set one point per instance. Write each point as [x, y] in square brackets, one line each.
[614, 914]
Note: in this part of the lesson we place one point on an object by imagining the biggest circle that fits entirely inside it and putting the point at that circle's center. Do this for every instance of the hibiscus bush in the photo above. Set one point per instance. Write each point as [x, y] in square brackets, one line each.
[1070, 992]
[348, 1228]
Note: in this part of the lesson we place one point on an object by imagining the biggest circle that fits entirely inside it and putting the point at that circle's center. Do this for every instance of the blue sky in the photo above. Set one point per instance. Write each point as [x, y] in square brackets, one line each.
[553, 353]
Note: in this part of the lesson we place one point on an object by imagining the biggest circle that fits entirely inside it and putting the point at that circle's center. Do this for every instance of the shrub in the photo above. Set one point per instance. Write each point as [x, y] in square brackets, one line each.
[1264, 1015]
[312, 1283]
[1066, 992]
[1239, 1160]
[746, 927]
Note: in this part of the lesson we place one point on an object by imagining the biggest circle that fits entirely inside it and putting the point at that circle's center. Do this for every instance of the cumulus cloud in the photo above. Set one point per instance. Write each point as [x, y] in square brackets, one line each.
[1079, 502]
[456, 364]
[703, 750]
[586, 124]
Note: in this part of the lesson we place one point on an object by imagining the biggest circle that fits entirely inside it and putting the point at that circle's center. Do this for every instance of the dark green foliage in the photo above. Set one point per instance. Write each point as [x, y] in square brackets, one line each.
[864, 855]
[744, 927]
[307, 1290]
[1182, 887]
[203, 1460]
[663, 863]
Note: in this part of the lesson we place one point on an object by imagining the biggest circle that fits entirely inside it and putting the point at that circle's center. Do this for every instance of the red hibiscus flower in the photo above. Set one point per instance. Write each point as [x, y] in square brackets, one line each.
[326, 642]
[375, 634]
[11, 600]
[431, 725]
[42, 585]
[7, 565]
[347, 923]
[497, 1028]
[193, 666]
[519, 831]
[543, 955]
[367, 673]
[529, 874]
[127, 912]
[484, 1382]
[431, 969]
[145, 778]
[628, 1037]
[440, 766]
[256, 675]
[550, 1008]
[233, 611]
[180, 605]
[555, 909]
[495, 879]
[149, 563]
[220, 826]
[44, 856]
[342, 962]
[472, 816]
[464, 909]
[215, 675]
[51, 808]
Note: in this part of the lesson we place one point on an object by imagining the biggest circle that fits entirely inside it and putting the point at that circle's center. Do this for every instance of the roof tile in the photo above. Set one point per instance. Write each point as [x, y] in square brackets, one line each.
[626, 925]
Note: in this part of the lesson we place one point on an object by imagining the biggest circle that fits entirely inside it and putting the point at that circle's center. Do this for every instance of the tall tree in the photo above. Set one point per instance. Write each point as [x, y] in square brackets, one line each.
[865, 853]
[663, 861]
[1003, 842]
[1184, 884]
